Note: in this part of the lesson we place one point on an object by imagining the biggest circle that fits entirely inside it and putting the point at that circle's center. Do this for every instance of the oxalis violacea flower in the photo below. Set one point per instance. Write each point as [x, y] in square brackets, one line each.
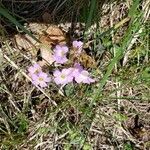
[80, 75]
[83, 77]
[35, 69]
[78, 45]
[76, 73]
[63, 77]
[60, 52]
[41, 79]
[38, 76]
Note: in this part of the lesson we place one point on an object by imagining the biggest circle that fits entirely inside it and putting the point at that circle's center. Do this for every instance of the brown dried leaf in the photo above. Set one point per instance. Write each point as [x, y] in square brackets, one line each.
[56, 35]
[37, 28]
[46, 40]
[86, 60]
[25, 42]
[46, 54]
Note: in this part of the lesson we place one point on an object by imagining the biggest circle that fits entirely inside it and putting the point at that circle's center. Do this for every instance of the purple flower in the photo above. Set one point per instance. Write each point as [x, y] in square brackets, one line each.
[34, 69]
[63, 77]
[60, 54]
[40, 79]
[76, 69]
[78, 66]
[83, 77]
[77, 73]
[78, 45]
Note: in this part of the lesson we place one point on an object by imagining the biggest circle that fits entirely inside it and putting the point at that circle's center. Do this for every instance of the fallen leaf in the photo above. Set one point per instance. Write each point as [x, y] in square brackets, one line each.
[48, 37]
[46, 54]
[56, 35]
[25, 42]
[37, 28]
[46, 40]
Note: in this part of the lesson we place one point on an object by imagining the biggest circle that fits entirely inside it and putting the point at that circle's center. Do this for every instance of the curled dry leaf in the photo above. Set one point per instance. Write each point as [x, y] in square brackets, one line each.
[48, 36]
[37, 28]
[46, 40]
[27, 43]
[53, 32]
[56, 35]
[53, 36]
[86, 60]
[46, 54]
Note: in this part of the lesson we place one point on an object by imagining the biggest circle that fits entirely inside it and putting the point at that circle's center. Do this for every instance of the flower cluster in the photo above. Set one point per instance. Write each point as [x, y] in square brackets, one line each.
[64, 76]
[39, 78]
[76, 73]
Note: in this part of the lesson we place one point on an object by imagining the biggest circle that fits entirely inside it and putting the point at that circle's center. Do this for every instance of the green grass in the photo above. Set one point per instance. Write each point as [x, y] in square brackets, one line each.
[87, 117]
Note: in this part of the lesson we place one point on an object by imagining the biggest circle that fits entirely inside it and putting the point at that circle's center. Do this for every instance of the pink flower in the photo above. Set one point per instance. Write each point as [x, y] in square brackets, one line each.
[78, 45]
[78, 66]
[38, 76]
[76, 69]
[77, 73]
[40, 79]
[63, 77]
[34, 69]
[60, 54]
[83, 77]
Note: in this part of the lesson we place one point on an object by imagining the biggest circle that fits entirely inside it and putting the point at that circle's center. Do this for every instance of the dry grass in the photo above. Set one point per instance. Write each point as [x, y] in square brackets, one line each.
[33, 118]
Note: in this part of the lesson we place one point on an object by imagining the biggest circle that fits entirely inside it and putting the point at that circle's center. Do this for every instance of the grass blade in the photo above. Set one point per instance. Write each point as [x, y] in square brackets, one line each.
[6, 14]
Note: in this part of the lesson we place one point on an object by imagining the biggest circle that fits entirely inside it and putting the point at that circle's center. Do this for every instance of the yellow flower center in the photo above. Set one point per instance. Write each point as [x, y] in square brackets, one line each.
[41, 79]
[63, 76]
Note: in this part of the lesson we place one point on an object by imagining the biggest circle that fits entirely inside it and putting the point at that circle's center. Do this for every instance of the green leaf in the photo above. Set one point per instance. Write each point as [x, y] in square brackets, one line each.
[120, 117]
[146, 74]
[127, 146]
[87, 146]
[91, 13]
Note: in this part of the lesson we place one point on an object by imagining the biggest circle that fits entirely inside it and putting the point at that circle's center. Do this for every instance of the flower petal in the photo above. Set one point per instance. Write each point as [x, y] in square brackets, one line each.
[43, 84]
[56, 73]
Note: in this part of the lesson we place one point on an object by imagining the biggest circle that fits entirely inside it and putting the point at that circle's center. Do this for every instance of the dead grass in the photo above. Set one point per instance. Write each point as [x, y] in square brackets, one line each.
[33, 118]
